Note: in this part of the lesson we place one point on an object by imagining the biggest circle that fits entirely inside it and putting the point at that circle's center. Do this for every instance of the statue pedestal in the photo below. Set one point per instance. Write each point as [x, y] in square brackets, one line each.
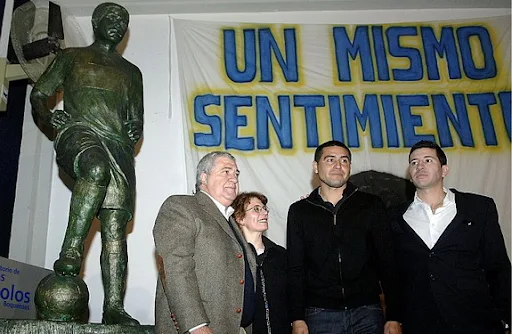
[8, 326]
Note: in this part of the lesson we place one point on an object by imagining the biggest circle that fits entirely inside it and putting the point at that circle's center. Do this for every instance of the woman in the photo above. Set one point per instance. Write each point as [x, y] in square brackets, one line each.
[251, 215]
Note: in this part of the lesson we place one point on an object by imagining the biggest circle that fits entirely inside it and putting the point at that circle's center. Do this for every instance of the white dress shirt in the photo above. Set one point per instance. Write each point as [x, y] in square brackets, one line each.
[226, 211]
[430, 225]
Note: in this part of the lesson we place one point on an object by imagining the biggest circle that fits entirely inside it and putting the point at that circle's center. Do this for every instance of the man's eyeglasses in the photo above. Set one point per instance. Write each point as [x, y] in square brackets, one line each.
[259, 209]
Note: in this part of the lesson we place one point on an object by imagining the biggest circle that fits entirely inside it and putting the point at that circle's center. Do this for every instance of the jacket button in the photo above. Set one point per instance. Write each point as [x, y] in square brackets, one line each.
[432, 277]
[242, 281]
[239, 255]
[238, 310]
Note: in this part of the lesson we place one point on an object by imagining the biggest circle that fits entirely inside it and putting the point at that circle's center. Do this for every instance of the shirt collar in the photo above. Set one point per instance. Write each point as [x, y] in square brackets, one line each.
[449, 198]
[226, 211]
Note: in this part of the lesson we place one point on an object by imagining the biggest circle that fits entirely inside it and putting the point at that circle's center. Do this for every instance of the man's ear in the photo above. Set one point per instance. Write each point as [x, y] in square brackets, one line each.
[315, 167]
[445, 170]
[204, 178]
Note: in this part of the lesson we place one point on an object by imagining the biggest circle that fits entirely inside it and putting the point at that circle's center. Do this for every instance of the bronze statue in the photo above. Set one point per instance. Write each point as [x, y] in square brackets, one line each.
[96, 137]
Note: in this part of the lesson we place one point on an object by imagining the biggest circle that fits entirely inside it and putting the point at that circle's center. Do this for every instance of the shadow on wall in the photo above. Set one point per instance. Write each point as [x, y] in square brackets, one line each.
[392, 189]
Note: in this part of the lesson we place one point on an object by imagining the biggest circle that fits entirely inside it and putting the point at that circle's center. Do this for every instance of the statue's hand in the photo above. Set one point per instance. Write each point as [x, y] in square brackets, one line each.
[134, 130]
[59, 119]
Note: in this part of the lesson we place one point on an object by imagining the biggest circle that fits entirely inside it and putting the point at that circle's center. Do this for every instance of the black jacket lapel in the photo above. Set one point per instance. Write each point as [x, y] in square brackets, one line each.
[211, 209]
[404, 226]
[457, 220]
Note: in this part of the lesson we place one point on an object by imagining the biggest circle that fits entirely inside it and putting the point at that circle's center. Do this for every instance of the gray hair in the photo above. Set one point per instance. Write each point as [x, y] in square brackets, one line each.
[206, 164]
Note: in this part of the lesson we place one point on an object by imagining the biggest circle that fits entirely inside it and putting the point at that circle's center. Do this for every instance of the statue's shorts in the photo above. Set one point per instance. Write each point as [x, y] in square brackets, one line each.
[75, 139]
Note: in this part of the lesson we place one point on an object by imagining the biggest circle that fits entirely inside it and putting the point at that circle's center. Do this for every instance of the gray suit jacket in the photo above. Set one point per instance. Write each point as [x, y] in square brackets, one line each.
[201, 269]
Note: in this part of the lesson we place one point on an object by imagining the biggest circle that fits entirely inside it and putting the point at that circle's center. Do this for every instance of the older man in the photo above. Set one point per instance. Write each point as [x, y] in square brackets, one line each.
[453, 264]
[207, 278]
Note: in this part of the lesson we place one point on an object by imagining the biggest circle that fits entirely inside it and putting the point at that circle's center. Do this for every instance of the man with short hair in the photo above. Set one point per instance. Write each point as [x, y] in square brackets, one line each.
[453, 266]
[339, 254]
[207, 268]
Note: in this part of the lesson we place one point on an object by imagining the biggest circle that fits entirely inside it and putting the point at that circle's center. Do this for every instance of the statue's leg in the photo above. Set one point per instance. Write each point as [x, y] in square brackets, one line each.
[114, 260]
[93, 176]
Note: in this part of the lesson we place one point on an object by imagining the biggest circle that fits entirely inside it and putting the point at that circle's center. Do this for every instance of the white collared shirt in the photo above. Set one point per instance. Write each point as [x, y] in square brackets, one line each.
[427, 225]
[226, 211]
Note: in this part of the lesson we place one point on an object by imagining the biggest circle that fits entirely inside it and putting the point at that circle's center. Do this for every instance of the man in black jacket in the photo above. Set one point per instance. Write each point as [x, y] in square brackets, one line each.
[452, 261]
[339, 254]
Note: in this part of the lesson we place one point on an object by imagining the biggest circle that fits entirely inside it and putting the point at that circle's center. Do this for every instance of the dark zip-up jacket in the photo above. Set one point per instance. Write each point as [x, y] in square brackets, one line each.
[337, 255]
[272, 265]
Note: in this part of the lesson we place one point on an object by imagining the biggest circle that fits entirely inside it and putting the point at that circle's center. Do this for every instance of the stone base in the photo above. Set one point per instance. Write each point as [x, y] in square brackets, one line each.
[49, 327]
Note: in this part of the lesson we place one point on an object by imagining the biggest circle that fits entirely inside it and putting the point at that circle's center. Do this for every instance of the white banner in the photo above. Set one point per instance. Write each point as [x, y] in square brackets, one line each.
[271, 93]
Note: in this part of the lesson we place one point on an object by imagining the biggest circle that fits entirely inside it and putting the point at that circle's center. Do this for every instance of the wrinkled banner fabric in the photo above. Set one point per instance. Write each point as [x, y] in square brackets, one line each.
[271, 93]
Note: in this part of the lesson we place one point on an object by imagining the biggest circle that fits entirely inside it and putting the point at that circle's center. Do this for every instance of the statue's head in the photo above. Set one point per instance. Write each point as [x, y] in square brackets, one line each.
[110, 22]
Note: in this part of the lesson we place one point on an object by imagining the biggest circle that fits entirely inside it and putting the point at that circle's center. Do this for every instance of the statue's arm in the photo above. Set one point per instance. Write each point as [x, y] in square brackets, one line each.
[46, 86]
[135, 117]
[40, 109]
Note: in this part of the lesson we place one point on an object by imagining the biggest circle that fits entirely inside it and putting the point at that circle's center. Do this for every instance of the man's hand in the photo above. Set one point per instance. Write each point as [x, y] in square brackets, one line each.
[59, 119]
[392, 327]
[299, 327]
[202, 330]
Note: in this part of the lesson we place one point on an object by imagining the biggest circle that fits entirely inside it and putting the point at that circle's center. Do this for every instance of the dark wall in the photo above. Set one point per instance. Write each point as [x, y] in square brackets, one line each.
[11, 125]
